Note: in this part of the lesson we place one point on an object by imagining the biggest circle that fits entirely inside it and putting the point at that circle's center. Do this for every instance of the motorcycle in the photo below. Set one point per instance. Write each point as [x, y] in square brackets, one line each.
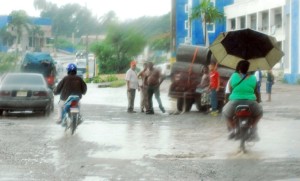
[244, 122]
[71, 113]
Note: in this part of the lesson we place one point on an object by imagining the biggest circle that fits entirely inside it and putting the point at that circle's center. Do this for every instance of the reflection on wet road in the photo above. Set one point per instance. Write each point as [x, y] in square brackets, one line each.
[168, 138]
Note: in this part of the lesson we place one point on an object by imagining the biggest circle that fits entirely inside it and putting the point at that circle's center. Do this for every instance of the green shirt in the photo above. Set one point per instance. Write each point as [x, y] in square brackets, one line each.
[243, 91]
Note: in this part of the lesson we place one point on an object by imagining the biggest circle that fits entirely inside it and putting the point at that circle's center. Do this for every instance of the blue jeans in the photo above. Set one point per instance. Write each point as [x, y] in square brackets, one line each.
[214, 99]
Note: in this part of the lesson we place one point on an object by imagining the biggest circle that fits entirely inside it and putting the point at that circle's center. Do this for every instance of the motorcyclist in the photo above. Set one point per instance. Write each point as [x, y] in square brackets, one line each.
[71, 84]
[243, 88]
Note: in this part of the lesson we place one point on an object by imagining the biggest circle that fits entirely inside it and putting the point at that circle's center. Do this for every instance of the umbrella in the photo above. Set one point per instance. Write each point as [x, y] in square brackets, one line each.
[261, 50]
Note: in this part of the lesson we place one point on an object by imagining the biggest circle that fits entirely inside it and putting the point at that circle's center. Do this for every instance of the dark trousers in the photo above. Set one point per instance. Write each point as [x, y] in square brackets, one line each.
[131, 96]
[150, 91]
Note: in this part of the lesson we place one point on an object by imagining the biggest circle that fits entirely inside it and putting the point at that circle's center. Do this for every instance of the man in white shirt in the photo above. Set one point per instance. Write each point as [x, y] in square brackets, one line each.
[258, 75]
[132, 84]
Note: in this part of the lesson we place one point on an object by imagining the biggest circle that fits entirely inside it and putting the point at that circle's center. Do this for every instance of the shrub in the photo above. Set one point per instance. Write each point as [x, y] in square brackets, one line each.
[118, 83]
[8, 62]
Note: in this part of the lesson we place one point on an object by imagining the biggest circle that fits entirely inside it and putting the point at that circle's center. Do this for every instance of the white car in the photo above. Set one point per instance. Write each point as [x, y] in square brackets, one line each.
[165, 68]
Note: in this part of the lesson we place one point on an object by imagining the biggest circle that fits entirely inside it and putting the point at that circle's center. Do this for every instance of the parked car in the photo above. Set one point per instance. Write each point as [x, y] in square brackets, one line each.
[40, 62]
[25, 91]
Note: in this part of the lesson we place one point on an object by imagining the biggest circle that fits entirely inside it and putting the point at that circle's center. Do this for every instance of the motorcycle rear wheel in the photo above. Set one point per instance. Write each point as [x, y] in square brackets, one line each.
[74, 121]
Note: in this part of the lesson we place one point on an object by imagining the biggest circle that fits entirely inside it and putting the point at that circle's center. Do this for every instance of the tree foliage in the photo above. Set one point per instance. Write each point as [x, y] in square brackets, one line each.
[19, 22]
[119, 48]
[207, 13]
[6, 38]
[68, 19]
[8, 62]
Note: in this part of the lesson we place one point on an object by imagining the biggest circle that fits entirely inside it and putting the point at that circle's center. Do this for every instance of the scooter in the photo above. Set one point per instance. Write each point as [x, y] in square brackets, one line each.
[244, 122]
[71, 113]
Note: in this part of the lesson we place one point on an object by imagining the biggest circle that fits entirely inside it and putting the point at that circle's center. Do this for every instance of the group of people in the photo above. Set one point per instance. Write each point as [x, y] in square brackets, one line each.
[209, 87]
[151, 80]
[242, 88]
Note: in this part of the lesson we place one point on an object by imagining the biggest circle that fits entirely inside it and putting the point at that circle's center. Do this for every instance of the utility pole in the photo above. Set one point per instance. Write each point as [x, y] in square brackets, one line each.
[87, 56]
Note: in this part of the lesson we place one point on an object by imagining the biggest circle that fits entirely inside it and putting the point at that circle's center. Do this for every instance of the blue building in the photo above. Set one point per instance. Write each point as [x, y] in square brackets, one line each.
[187, 31]
[29, 41]
[280, 18]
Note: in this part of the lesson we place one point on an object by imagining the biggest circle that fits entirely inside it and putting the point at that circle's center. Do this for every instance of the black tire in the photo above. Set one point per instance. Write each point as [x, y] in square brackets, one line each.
[199, 106]
[74, 120]
[243, 138]
[47, 111]
[1, 112]
[184, 107]
[180, 104]
[188, 104]
[52, 106]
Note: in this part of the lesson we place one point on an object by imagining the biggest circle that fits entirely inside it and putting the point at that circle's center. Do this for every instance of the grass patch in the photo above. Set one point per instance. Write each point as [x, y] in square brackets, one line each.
[117, 83]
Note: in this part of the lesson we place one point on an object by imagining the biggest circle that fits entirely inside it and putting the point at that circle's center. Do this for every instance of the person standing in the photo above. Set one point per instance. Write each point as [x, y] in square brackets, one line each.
[203, 89]
[143, 87]
[258, 75]
[214, 86]
[132, 84]
[153, 80]
[269, 84]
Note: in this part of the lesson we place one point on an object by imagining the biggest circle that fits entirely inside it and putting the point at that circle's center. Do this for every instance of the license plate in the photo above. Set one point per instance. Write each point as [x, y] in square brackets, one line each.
[74, 110]
[21, 94]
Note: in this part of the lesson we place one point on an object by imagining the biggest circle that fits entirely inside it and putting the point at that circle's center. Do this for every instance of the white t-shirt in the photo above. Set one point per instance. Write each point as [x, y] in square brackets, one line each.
[257, 76]
[131, 76]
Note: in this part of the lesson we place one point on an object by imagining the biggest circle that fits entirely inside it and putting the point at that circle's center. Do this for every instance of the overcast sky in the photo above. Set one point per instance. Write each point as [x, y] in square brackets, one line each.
[125, 9]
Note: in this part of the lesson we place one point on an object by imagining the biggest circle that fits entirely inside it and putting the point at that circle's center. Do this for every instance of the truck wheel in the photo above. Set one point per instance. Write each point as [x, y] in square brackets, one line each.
[184, 107]
[201, 108]
[180, 104]
[188, 104]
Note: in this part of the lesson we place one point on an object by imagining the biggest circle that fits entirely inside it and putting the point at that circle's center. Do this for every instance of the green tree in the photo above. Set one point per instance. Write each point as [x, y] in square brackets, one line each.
[104, 53]
[118, 49]
[18, 24]
[207, 13]
[77, 20]
[6, 38]
[161, 42]
[36, 35]
[127, 44]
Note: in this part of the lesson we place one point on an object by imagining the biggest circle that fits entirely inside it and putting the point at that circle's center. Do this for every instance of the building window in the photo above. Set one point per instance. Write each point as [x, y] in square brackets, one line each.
[253, 21]
[187, 40]
[210, 27]
[186, 8]
[232, 24]
[243, 22]
[186, 24]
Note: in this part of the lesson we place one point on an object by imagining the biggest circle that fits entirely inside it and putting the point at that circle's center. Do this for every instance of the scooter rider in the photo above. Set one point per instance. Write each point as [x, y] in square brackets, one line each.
[243, 88]
[71, 84]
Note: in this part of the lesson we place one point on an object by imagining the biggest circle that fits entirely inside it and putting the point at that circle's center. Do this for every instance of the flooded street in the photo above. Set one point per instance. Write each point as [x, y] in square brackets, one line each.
[114, 145]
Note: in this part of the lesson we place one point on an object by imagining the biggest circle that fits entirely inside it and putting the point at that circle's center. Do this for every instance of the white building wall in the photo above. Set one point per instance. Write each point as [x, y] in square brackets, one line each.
[258, 8]
[244, 7]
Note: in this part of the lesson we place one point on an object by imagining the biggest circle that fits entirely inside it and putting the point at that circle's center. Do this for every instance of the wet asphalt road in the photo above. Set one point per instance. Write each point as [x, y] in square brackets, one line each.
[114, 145]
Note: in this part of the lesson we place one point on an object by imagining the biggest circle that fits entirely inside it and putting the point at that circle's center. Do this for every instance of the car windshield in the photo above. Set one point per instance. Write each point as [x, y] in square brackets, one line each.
[22, 79]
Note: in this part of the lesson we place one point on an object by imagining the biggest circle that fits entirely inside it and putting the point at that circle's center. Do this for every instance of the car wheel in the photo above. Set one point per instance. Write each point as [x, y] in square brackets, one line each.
[1, 112]
[47, 111]
[52, 107]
